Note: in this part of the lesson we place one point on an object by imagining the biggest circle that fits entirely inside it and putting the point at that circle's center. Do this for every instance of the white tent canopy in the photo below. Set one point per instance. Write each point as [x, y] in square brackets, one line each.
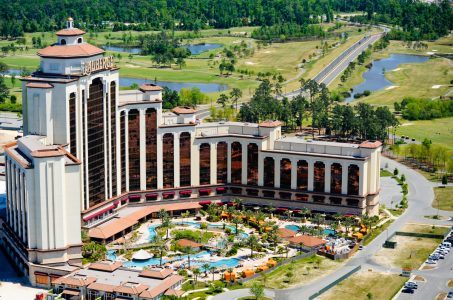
[141, 255]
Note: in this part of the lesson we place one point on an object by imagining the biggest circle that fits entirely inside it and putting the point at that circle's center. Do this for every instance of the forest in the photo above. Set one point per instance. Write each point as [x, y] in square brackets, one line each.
[424, 109]
[415, 19]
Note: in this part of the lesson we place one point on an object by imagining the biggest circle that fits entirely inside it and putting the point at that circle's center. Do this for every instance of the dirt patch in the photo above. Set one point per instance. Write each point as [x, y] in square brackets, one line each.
[419, 278]
[427, 268]
[441, 296]
[450, 283]
[409, 252]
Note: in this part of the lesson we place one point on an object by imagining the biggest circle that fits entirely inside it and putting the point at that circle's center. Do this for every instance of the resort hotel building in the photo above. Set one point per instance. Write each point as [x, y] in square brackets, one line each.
[96, 158]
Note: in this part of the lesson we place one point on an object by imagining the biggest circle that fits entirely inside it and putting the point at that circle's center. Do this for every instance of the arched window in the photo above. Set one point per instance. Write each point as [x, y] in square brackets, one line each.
[353, 179]
[302, 175]
[168, 160]
[252, 164]
[184, 159]
[269, 172]
[134, 149]
[335, 178]
[205, 164]
[319, 177]
[79, 40]
[151, 148]
[236, 163]
[285, 173]
[222, 162]
[63, 42]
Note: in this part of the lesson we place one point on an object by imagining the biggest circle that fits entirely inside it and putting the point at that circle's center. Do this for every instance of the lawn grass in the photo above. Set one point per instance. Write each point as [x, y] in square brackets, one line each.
[386, 173]
[421, 228]
[444, 198]
[396, 212]
[304, 270]
[410, 252]
[379, 285]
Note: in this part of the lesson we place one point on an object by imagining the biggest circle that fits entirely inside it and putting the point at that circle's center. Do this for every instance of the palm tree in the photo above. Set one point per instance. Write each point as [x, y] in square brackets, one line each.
[230, 270]
[301, 245]
[196, 272]
[161, 247]
[212, 269]
[252, 242]
[162, 214]
[237, 202]
[236, 220]
[185, 215]
[167, 223]
[272, 210]
[289, 213]
[302, 229]
[206, 267]
[222, 100]
[305, 212]
[188, 250]
[235, 95]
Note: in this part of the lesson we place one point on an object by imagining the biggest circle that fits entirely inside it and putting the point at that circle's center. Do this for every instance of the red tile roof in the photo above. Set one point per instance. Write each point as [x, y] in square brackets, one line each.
[70, 32]
[370, 144]
[149, 87]
[161, 288]
[129, 288]
[75, 280]
[107, 266]
[182, 110]
[66, 51]
[285, 233]
[156, 273]
[102, 287]
[270, 124]
[306, 240]
[39, 85]
[109, 229]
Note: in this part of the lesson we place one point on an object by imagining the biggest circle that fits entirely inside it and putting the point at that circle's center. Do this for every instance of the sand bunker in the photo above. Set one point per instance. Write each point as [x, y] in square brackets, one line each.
[250, 63]
[391, 87]
[436, 86]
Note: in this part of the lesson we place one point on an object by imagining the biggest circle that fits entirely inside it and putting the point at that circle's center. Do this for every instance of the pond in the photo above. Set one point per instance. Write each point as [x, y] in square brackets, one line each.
[133, 50]
[177, 86]
[195, 49]
[374, 78]
[12, 72]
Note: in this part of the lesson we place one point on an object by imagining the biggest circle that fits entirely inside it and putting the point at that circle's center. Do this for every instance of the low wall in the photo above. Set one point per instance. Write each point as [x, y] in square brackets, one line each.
[332, 284]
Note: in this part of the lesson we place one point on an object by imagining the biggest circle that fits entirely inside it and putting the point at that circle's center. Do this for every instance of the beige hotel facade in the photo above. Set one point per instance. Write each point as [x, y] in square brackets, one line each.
[89, 151]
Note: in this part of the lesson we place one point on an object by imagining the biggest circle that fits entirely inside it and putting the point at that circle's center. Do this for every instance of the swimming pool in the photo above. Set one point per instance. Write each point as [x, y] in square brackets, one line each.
[326, 231]
[222, 263]
[152, 232]
[111, 254]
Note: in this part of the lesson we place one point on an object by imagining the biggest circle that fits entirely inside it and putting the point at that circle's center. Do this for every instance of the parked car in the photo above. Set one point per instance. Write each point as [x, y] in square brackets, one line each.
[411, 285]
[450, 295]
[408, 291]
[431, 262]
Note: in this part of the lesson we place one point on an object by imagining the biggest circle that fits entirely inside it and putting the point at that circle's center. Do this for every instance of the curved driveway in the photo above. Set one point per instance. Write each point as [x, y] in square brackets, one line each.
[420, 197]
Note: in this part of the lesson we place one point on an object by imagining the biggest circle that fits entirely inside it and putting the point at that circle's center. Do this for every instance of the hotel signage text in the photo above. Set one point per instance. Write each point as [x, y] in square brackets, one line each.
[103, 63]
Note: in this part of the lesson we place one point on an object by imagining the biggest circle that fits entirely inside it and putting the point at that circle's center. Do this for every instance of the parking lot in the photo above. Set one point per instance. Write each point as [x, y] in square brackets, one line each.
[436, 272]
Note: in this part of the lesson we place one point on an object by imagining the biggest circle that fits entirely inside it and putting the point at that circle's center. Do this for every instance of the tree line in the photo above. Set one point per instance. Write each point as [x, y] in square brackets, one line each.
[288, 31]
[424, 109]
[360, 122]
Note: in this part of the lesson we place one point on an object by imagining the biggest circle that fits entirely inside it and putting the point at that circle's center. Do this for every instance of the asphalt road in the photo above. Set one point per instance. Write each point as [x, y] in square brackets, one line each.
[420, 197]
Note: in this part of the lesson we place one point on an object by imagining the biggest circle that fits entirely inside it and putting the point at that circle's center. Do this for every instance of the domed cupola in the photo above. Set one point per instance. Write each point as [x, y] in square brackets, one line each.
[70, 35]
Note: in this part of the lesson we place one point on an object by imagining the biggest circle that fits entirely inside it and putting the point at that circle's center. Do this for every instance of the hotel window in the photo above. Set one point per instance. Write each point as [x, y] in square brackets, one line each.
[42, 279]
[95, 137]
[123, 150]
[302, 175]
[222, 162]
[353, 180]
[285, 173]
[319, 177]
[168, 160]
[252, 164]
[72, 124]
[113, 134]
[184, 159]
[269, 172]
[236, 163]
[134, 149]
[151, 148]
[205, 163]
[335, 178]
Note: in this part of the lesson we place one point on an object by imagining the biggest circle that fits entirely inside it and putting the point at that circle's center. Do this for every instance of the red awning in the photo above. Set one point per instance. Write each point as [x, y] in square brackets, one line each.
[206, 191]
[41, 273]
[282, 208]
[152, 195]
[205, 202]
[220, 189]
[220, 203]
[87, 218]
[168, 193]
[116, 203]
[185, 192]
[134, 196]
[296, 210]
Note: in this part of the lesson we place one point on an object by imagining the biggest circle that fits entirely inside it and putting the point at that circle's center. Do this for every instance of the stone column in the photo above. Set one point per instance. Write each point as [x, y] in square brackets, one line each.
[142, 146]
[344, 178]
[244, 163]
[176, 161]
[260, 169]
[327, 179]
[293, 174]
[362, 180]
[310, 175]
[277, 172]
[213, 163]
[229, 163]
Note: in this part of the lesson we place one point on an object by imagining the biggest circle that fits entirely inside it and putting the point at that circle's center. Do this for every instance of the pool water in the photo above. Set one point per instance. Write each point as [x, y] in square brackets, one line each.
[326, 231]
[152, 232]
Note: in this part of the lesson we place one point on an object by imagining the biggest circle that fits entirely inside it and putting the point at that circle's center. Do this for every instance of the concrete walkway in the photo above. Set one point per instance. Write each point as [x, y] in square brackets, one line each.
[420, 197]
